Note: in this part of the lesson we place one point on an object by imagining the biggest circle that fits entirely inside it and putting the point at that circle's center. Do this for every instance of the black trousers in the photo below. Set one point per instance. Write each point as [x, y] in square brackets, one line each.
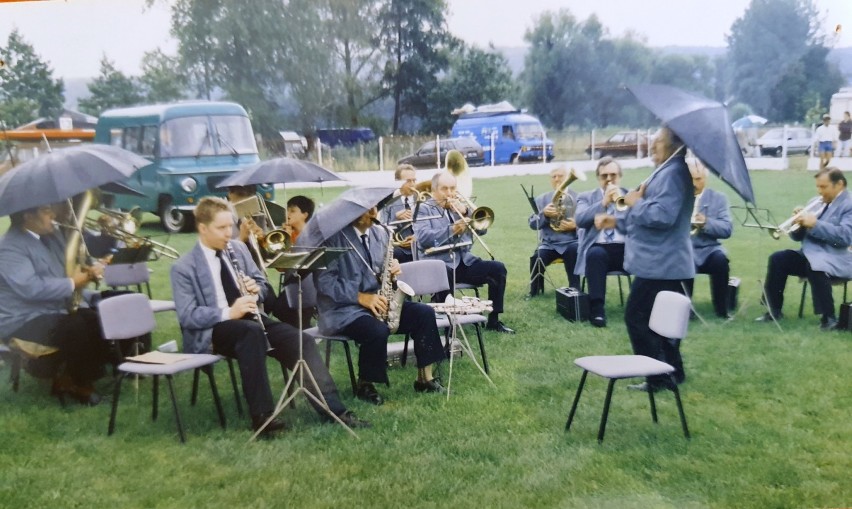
[600, 259]
[637, 315]
[793, 263]
[483, 272]
[402, 254]
[82, 349]
[244, 340]
[719, 269]
[371, 334]
[544, 257]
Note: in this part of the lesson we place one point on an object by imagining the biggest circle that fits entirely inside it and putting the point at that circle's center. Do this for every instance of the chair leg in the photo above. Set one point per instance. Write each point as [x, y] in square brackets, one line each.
[171, 384]
[802, 302]
[194, 396]
[327, 354]
[404, 359]
[208, 370]
[15, 371]
[583, 284]
[481, 347]
[653, 406]
[351, 367]
[680, 409]
[605, 414]
[155, 405]
[116, 393]
[576, 400]
[237, 396]
[620, 292]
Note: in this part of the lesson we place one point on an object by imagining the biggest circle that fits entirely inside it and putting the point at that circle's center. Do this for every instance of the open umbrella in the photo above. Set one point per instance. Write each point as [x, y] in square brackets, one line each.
[704, 127]
[338, 214]
[54, 177]
[748, 121]
[280, 171]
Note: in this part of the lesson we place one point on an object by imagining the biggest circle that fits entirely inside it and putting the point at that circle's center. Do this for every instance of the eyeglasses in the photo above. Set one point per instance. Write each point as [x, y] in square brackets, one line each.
[607, 176]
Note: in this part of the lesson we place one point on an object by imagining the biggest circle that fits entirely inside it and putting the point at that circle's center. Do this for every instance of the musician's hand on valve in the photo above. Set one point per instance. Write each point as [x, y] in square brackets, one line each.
[251, 285]
[242, 306]
[807, 220]
[404, 214]
[375, 303]
[245, 229]
[699, 218]
[566, 225]
[550, 211]
[81, 277]
[406, 242]
[610, 194]
[634, 196]
[394, 268]
[604, 221]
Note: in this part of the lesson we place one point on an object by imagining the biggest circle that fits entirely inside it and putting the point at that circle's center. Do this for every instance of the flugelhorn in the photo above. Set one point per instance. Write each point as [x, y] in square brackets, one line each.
[789, 226]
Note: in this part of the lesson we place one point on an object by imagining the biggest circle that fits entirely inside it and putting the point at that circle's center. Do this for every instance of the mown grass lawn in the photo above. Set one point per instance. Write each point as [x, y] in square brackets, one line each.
[769, 412]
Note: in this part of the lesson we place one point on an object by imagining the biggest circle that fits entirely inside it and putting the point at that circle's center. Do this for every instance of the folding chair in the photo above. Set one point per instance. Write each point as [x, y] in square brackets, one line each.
[670, 319]
[616, 273]
[835, 281]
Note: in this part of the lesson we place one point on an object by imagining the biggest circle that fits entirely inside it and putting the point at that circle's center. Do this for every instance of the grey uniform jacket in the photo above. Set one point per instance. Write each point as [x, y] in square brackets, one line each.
[195, 295]
[714, 206]
[658, 244]
[435, 232]
[588, 206]
[550, 239]
[338, 285]
[826, 245]
[32, 279]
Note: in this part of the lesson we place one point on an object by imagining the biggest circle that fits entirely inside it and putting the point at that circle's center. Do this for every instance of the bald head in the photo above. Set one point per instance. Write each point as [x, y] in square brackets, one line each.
[443, 188]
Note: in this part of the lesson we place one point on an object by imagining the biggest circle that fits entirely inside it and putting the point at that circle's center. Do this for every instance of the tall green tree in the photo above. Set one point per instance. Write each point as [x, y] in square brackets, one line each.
[475, 76]
[111, 89]
[161, 78]
[777, 57]
[417, 42]
[27, 87]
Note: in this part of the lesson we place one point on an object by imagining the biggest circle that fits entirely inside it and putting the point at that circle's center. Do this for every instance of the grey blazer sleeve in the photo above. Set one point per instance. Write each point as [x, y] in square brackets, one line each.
[718, 216]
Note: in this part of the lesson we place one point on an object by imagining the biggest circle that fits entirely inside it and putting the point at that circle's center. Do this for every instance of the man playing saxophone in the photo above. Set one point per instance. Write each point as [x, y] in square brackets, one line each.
[351, 303]
[711, 221]
[35, 291]
[826, 235]
[557, 232]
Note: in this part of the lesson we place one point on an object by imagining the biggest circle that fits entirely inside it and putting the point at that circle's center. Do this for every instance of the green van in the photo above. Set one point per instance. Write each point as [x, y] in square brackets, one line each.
[192, 147]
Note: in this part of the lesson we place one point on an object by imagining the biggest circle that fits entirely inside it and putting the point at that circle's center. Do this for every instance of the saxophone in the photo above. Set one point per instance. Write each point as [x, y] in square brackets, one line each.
[75, 249]
[391, 289]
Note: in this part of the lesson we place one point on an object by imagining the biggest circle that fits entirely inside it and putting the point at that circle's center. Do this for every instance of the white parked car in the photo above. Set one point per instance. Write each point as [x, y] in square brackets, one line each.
[799, 141]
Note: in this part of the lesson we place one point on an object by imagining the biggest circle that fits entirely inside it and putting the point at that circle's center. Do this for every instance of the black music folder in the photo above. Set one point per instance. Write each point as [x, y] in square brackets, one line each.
[131, 255]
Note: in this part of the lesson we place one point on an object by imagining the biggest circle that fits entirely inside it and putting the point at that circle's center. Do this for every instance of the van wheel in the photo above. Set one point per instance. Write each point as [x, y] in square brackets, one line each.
[175, 220]
[597, 155]
[515, 159]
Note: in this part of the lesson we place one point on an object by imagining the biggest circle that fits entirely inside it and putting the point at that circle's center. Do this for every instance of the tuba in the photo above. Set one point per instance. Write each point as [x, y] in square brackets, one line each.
[560, 197]
[456, 164]
[789, 226]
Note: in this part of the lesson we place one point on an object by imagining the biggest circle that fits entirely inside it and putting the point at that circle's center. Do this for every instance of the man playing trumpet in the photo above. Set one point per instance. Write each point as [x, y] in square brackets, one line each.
[826, 235]
[711, 221]
[558, 233]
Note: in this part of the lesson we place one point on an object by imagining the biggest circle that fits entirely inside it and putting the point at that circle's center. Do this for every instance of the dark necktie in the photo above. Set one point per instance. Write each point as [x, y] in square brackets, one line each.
[366, 249]
[609, 233]
[232, 291]
[823, 211]
[407, 205]
[48, 244]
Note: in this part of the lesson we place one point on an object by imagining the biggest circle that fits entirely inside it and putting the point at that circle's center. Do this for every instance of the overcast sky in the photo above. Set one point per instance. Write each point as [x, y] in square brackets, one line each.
[72, 35]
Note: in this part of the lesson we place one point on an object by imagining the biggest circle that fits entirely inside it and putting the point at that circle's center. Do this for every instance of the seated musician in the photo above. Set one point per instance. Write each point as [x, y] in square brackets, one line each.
[35, 296]
[216, 316]
[602, 233]
[825, 234]
[449, 225]
[350, 304]
[711, 221]
[299, 211]
[402, 209]
[557, 233]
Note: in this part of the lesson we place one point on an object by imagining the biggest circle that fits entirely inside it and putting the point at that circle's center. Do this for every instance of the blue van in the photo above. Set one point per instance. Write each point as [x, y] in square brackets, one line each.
[517, 136]
[192, 147]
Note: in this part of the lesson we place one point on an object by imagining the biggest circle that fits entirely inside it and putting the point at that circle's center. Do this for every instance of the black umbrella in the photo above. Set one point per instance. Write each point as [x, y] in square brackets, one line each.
[279, 171]
[63, 173]
[704, 127]
[338, 214]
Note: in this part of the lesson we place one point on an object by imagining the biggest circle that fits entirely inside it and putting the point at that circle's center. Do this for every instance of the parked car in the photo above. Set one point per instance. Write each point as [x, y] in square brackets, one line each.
[425, 155]
[799, 141]
[623, 144]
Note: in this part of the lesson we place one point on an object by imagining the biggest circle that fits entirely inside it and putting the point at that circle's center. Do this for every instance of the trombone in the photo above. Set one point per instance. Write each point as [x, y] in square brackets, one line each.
[480, 218]
[123, 226]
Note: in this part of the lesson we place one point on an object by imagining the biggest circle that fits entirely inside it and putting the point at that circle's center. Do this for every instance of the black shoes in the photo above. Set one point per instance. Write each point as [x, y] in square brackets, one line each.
[767, 317]
[828, 323]
[433, 385]
[499, 327]
[598, 321]
[367, 392]
[84, 394]
[271, 429]
[350, 420]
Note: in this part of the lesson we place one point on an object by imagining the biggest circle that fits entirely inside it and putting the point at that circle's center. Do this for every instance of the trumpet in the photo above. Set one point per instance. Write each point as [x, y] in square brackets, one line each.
[620, 204]
[789, 226]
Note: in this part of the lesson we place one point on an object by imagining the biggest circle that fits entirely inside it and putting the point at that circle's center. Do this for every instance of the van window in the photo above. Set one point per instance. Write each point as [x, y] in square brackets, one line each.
[508, 132]
[234, 135]
[132, 136]
[149, 140]
[185, 137]
[529, 130]
[115, 136]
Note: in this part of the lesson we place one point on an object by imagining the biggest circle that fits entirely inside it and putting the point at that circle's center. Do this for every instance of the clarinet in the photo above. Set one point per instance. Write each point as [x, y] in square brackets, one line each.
[243, 291]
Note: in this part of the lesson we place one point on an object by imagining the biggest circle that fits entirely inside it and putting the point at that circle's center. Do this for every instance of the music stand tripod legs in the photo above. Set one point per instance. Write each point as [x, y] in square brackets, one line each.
[301, 369]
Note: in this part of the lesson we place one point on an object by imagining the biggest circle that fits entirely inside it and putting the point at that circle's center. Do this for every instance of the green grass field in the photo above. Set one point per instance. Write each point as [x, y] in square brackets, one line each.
[768, 411]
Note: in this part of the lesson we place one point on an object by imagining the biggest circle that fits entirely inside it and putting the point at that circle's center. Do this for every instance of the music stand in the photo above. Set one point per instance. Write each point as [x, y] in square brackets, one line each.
[299, 263]
[132, 255]
[464, 343]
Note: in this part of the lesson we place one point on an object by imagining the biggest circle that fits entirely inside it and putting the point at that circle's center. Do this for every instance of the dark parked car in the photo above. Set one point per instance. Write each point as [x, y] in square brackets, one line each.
[425, 155]
[621, 144]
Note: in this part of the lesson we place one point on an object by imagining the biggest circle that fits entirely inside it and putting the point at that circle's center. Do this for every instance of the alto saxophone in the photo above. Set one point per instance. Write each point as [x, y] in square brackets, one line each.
[391, 289]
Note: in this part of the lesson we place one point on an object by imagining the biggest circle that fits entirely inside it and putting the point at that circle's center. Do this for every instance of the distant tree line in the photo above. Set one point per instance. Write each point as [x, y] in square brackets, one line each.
[393, 65]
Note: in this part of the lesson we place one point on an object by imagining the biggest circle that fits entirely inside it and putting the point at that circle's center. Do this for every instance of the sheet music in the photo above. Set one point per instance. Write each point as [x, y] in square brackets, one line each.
[157, 357]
